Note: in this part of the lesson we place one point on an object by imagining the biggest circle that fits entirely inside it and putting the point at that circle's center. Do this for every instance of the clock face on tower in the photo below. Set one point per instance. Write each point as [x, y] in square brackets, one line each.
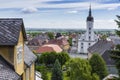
[19, 53]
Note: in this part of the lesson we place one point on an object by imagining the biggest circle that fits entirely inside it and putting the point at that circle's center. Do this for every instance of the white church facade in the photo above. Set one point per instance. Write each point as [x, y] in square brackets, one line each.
[89, 37]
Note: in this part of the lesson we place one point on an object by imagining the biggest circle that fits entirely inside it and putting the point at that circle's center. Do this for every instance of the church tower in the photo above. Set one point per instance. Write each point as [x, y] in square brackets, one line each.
[90, 23]
[88, 38]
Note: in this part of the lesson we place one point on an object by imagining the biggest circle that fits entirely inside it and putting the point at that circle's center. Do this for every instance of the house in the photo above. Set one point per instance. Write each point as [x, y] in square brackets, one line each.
[58, 35]
[16, 60]
[103, 48]
[74, 37]
[49, 48]
[62, 42]
[114, 39]
[111, 77]
[37, 41]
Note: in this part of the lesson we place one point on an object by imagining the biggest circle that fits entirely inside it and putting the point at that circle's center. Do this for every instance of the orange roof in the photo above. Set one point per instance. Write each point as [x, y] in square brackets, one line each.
[49, 48]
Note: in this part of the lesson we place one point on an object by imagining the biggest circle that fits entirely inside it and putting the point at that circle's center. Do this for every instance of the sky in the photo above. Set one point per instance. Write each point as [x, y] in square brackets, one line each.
[65, 14]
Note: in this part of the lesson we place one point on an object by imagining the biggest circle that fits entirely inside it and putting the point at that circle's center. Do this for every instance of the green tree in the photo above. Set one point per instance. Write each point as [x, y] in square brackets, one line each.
[57, 71]
[43, 70]
[50, 35]
[115, 54]
[79, 69]
[104, 37]
[95, 77]
[70, 41]
[48, 58]
[98, 65]
[63, 57]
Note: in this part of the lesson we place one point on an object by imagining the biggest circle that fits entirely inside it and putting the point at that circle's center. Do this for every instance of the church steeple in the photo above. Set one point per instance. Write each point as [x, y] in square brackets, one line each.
[90, 10]
[90, 18]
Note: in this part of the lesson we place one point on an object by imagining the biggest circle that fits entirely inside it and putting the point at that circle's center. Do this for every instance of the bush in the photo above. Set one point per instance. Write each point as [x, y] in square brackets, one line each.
[49, 58]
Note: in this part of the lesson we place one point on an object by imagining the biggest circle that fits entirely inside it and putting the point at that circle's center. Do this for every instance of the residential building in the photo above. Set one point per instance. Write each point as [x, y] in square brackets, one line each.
[103, 47]
[16, 60]
[62, 42]
[49, 48]
[37, 41]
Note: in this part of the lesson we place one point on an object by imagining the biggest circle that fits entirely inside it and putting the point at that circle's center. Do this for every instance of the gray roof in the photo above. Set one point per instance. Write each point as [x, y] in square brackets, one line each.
[29, 57]
[10, 29]
[107, 58]
[101, 46]
[115, 39]
[6, 71]
[39, 40]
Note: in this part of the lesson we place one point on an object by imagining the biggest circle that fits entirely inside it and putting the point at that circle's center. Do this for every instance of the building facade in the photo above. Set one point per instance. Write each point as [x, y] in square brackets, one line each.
[16, 60]
[88, 38]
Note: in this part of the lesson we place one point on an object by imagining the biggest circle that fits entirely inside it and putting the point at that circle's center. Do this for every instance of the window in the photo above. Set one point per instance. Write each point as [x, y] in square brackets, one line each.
[89, 37]
[89, 32]
[89, 44]
[89, 28]
[81, 43]
[82, 47]
[19, 53]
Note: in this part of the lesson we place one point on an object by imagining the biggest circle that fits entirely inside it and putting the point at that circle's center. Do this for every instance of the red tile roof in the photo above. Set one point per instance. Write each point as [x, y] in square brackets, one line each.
[49, 48]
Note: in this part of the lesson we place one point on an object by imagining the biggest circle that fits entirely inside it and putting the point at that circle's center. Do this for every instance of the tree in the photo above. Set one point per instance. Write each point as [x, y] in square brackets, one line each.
[48, 58]
[63, 57]
[70, 41]
[57, 72]
[98, 65]
[104, 37]
[115, 54]
[43, 70]
[50, 35]
[79, 69]
[95, 77]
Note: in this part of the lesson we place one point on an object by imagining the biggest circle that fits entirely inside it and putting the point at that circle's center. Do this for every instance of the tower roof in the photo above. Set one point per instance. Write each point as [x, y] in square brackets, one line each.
[90, 18]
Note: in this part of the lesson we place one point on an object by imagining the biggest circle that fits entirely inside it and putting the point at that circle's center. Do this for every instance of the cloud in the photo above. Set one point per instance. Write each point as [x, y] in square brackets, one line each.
[29, 10]
[73, 12]
[113, 8]
[41, 4]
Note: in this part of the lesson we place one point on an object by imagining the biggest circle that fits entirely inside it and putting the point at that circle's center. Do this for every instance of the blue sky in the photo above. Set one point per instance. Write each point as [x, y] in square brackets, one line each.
[68, 14]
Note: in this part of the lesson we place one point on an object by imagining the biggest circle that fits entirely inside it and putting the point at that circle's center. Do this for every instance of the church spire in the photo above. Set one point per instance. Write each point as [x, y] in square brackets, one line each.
[90, 18]
[90, 10]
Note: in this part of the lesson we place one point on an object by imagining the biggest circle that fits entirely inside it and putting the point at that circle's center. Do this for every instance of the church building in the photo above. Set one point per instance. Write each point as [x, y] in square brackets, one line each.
[89, 37]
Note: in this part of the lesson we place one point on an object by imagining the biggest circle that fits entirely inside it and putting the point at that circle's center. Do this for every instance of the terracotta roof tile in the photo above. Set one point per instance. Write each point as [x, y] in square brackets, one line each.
[49, 48]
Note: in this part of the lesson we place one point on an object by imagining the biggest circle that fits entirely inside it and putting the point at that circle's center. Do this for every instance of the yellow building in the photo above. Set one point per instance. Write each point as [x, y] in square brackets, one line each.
[16, 60]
